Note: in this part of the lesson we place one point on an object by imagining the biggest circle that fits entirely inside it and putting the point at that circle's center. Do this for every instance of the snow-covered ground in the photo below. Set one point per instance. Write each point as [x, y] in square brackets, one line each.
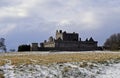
[108, 69]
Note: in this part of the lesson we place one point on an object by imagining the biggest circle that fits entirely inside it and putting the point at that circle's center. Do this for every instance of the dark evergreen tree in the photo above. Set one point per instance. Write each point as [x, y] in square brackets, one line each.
[24, 47]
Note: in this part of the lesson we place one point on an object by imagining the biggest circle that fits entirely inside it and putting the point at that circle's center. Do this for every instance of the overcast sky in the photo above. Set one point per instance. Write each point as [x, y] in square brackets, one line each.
[27, 21]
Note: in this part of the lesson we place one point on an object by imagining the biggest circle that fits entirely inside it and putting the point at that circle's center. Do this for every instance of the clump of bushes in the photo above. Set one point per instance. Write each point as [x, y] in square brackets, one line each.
[24, 47]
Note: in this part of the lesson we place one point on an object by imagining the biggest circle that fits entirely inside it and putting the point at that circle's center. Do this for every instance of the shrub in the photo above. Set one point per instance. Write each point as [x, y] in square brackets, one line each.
[24, 47]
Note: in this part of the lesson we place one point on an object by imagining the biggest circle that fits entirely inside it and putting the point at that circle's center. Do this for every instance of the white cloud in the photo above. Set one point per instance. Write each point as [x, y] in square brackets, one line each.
[88, 18]
[19, 10]
[7, 29]
[12, 12]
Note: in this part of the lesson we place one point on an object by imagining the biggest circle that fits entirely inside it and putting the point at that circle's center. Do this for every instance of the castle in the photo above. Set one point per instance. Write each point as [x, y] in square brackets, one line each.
[65, 42]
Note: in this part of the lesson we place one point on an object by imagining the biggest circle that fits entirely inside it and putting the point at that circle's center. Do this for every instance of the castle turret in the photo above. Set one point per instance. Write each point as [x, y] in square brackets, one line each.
[60, 31]
[51, 39]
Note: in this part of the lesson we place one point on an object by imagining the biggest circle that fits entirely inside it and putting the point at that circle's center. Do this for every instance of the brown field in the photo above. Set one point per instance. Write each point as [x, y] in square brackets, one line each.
[49, 58]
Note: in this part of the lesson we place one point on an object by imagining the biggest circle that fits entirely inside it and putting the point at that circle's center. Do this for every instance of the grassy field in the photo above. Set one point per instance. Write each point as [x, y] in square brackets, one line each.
[49, 58]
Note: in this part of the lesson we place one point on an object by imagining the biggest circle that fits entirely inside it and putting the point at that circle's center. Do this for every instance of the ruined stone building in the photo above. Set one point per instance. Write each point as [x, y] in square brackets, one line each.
[65, 42]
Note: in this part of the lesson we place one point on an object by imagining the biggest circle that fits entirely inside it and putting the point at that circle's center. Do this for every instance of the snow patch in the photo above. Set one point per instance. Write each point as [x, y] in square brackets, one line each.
[63, 70]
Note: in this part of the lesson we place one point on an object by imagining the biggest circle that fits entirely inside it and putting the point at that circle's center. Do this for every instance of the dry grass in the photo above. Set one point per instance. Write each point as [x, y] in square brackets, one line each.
[1, 76]
[57, 58]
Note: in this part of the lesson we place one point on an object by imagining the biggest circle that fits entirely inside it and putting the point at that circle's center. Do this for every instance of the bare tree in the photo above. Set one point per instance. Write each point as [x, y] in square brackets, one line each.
[2, 45]
[113, 42]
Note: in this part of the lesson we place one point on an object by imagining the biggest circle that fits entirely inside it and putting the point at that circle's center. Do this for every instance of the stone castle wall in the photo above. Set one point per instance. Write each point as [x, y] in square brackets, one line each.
[66, 42]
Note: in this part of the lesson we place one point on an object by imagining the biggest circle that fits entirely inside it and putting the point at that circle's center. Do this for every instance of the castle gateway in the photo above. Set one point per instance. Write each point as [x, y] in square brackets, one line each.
[65, 42]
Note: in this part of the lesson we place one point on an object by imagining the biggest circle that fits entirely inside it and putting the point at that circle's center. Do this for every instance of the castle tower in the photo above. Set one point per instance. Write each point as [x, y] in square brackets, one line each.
[34, 47]
[59, 35]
